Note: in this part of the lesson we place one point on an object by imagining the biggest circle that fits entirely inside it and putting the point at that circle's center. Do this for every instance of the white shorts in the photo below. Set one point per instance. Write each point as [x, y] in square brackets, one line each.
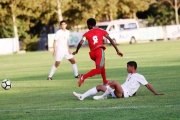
[126, 93]
[63, 54]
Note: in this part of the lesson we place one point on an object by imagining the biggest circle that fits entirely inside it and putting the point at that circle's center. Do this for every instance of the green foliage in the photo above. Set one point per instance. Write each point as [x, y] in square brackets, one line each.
[29, 43]
[6, 28]
[130, 7]
[30, 13]
[162, 14]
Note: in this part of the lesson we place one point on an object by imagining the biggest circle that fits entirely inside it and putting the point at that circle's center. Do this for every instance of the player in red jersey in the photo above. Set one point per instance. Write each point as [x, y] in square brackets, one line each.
[95, 41]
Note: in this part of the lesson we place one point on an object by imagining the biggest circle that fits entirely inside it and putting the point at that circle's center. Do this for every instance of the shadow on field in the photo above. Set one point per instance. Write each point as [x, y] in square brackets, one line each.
[154, 73]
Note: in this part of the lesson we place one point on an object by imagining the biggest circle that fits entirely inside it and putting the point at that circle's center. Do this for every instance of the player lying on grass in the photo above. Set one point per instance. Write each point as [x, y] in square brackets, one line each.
[127, 89]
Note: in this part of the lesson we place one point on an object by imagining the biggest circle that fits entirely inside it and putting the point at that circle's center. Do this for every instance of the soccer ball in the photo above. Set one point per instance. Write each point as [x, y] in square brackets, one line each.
[6, 84]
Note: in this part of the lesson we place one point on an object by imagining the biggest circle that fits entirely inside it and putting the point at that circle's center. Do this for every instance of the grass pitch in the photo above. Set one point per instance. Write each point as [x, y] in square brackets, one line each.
[32, 97]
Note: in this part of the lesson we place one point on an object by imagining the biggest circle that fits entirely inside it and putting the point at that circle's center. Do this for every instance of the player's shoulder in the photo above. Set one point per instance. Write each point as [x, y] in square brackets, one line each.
[68, 31]
[140, 75]
[95, 30]
[100, 29]
[58, 31]
[86, 33]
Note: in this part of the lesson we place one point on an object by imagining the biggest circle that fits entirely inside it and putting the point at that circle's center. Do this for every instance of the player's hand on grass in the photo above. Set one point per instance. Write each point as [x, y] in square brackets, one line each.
[159, 93]
[119, 53]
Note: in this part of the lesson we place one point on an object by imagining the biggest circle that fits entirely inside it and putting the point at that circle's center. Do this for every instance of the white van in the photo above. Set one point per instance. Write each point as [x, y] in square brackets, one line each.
[122, 30]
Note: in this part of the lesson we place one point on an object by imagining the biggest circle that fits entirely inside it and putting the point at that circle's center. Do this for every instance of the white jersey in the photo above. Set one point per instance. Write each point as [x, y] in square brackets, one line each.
[133, 82]
[62, 38]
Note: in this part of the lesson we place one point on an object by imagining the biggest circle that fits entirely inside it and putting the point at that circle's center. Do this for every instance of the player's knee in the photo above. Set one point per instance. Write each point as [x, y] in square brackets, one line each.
[72, 61]
[114, 82]
[101, 88]
[57, 64]
[98, 71]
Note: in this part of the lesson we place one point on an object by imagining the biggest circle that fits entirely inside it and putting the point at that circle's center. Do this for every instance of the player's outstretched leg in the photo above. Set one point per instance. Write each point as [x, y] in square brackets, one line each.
[79, 96]
[90, 92]
[89, 74]
[108, 91]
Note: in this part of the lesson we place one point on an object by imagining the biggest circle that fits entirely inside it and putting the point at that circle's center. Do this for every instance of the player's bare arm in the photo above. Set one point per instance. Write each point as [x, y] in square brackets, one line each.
[54, 47]
[153, 90]
[114, 45]
[78, 47]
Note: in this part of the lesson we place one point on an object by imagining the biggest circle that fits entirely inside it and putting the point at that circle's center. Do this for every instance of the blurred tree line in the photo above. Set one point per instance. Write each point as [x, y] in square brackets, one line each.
[25, 19]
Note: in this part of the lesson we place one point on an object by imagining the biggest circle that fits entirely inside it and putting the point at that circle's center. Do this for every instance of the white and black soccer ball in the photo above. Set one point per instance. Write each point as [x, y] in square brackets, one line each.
[6, 84]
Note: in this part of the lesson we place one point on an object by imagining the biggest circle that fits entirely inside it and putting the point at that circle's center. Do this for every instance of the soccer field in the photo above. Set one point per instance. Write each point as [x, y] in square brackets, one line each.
[32, 97]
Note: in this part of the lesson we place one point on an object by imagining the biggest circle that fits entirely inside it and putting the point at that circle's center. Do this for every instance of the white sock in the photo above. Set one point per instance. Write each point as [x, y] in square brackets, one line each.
[53, 69]
[108, 91]
[74, 67]
[90, 92]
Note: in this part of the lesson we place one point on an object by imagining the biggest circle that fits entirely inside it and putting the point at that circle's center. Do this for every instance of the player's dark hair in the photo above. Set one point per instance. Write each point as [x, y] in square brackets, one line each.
[91, 22]
[63, 21]
[132, 63]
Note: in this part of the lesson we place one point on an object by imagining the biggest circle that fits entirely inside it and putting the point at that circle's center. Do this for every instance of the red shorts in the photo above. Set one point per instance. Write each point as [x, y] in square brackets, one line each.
[98, 56]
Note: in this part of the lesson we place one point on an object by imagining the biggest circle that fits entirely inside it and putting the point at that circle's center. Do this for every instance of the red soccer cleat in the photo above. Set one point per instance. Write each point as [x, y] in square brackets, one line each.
[81, 80]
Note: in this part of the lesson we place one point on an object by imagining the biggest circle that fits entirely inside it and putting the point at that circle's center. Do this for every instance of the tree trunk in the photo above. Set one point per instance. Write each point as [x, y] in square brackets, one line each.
[111, 16]
[134, 15]
[15, 31]
[59, 10]
[107, 17]
[176, 12]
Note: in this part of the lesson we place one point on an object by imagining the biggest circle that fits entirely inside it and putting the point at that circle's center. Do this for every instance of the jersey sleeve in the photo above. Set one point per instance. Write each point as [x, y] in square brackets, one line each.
[143, 80]
[56, 36]
[84, 38]
[105, 33]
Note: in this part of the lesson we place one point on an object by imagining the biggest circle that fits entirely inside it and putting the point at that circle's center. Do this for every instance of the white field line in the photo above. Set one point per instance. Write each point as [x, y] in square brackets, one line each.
[89, 108]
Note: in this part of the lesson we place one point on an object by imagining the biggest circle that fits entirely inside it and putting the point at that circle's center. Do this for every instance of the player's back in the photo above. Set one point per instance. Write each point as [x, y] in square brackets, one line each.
[95, 37]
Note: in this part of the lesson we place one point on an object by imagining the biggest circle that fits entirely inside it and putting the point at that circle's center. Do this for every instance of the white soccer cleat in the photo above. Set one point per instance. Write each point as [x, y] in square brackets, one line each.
[79, 96]
[99, 97]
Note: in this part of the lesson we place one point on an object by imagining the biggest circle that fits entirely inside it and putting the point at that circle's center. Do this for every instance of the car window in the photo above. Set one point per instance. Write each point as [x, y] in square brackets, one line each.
[102, 27]
[128, 26]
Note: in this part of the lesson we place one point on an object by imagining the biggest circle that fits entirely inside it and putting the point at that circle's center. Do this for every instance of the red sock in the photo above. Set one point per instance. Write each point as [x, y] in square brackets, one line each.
[92, 73]
[103, 74]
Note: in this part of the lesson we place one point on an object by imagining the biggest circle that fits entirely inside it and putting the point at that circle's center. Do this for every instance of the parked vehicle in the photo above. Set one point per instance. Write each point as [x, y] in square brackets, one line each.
[122, 30]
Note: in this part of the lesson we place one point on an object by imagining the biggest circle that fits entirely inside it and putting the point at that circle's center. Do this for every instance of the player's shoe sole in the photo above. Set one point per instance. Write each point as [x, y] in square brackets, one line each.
[81, 80]
[79, 96]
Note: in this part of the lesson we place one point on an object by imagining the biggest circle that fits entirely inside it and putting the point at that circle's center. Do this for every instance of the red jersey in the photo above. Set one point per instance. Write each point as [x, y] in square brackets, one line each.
[95, 38]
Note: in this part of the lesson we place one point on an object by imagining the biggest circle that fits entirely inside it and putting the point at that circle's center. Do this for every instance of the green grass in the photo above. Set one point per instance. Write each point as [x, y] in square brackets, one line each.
[32, 97]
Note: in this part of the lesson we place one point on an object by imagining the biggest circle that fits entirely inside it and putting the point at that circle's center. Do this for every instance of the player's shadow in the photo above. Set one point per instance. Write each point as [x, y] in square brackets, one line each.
[111, 73]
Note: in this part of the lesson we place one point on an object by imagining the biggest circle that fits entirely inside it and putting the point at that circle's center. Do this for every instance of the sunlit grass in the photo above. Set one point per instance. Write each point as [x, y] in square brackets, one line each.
[33, 97]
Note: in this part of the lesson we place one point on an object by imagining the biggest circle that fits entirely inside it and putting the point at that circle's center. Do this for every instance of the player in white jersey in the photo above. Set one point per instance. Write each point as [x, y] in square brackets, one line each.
[127, 89]
[61, 50]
